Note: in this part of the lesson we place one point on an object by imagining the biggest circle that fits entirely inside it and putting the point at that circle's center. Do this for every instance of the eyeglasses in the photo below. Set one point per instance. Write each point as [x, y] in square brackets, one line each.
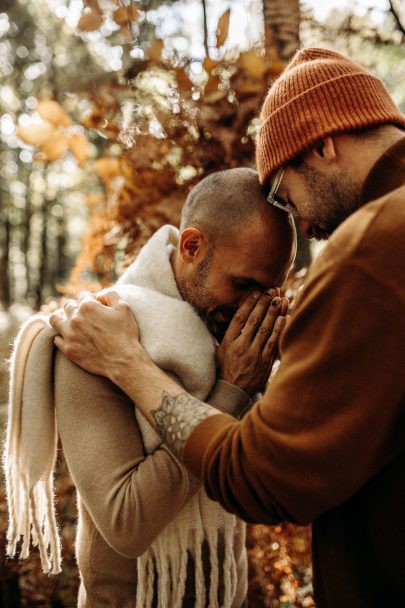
[277, 202]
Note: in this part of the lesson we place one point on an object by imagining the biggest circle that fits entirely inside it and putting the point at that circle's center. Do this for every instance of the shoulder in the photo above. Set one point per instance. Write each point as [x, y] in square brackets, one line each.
[371, 242]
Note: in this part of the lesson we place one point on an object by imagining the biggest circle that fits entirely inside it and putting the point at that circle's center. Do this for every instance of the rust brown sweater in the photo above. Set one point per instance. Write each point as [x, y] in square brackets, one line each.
[326, 444]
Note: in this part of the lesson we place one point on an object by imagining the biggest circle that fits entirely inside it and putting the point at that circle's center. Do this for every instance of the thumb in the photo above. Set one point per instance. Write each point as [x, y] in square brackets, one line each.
[109, 298]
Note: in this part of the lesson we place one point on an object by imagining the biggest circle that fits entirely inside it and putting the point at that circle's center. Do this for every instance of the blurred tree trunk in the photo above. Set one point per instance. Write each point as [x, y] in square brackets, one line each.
[281, 40]
[43, 265]
[281, 28]
[205, 26]
[5, 236]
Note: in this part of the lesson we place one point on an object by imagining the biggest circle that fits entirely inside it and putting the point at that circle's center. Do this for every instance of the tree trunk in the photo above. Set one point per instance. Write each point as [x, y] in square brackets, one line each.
[281, 40]
[281, 28]
[5, 291]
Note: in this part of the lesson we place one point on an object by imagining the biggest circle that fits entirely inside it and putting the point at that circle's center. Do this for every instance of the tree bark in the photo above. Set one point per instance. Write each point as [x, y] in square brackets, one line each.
[281, 40]
[281, 28]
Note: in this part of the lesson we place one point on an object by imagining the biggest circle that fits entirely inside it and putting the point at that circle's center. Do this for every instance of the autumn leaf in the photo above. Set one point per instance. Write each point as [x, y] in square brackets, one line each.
[90, 21]
[35, 135]
[51, 111]
[223, 28]
[79, 147]
[209, 64]
[55, 147]
[156, 50]
[107, 167]
[125, 14]
[252, 64]
[183, 80]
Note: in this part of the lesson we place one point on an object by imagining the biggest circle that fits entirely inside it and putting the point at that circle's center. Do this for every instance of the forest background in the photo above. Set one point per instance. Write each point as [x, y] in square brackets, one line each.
[110, 111]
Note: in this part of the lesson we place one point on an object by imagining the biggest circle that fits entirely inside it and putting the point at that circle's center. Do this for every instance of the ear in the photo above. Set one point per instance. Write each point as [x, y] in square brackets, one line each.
[192, 244]
[324, 151]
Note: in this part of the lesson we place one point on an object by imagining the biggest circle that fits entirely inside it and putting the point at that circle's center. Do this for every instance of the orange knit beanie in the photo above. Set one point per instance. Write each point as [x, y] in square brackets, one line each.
[321, 92]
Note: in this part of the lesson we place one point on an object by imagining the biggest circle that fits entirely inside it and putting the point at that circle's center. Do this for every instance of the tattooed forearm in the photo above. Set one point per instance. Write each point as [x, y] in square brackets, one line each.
[176, 417]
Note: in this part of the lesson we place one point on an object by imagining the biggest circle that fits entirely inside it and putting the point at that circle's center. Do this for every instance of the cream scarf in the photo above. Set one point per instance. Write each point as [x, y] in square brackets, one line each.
[179, 342]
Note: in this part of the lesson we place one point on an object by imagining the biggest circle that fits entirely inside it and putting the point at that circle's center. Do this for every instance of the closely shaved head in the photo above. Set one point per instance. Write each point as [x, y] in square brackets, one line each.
[224, 202]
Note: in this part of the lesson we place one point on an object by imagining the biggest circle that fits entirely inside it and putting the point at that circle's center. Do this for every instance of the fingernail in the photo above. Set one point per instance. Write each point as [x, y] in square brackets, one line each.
[276, 302]
[270, 292]
[256, 295]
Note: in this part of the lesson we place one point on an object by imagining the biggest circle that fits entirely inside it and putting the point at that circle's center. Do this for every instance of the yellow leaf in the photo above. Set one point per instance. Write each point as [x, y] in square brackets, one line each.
[125, 14]
[79, 147]
[51, 111]
[156, 50]
[35, 135]
[254, 65]
[209, 64]
[90, 21]
[55, 147]
[212, 85]
[107, 167]
[223, 28]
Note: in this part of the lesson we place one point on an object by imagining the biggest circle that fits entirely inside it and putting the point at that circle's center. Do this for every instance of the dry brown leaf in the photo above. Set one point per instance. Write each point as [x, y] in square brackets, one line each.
[90, 21]
[209, 64]
[223, 28]
[55, 147]
[79, 147]
[51, 111]
[156, 50]
[93, 5]
[248, 89]
[107, 167]
[183, 80]
[125, 14]
[212, 85]
[254, 65]
[35, 135]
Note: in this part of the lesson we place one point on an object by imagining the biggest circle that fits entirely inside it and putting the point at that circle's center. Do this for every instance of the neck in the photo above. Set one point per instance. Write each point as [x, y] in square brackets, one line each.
[363, 151]
[175, 262]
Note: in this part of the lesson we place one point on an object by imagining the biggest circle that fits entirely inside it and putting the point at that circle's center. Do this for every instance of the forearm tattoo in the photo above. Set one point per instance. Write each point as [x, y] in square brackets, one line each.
[176, 417]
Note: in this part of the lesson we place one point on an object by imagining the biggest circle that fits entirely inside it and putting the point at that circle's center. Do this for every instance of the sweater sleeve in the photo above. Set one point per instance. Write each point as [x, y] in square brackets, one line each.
[130, 497]
[333, 415]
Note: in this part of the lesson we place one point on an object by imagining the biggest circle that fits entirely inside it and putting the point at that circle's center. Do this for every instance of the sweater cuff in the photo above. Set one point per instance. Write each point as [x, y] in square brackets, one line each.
[229, 399]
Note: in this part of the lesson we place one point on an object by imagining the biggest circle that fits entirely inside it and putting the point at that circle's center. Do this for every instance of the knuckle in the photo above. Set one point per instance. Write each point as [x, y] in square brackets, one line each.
[76, 322]
[87, 306]
[239, 318]
[253, 320]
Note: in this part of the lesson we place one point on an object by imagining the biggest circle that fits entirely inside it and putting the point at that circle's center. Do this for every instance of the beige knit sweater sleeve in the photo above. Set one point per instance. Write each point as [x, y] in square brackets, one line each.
[126, 493]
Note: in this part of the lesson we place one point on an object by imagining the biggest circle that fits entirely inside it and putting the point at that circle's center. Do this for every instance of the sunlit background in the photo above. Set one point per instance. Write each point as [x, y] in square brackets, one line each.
[110, 110]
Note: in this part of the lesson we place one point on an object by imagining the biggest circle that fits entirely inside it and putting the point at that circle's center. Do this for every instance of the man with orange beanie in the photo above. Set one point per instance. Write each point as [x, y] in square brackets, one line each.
[326, 444]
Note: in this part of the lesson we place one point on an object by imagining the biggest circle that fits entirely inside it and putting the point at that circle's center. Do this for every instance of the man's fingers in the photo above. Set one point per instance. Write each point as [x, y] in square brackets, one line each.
[110, 298]
[271, 345]
[241, 316]
[57, 322]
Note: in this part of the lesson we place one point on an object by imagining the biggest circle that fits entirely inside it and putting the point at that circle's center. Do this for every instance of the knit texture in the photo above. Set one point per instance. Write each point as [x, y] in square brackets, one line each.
[179, 342]
[320, 93]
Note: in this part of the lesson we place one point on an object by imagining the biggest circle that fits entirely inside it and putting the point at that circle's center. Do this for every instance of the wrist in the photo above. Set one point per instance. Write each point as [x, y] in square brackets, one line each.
[132, 365]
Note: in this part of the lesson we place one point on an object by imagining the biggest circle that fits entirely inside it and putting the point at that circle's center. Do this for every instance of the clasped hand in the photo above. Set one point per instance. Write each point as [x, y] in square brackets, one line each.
[247, 352]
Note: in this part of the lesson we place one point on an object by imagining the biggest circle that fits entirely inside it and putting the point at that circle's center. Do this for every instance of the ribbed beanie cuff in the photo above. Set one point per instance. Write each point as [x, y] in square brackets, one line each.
[320, 93]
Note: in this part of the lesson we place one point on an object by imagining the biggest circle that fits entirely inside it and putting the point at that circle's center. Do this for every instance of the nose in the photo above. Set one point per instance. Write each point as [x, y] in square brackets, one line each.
[305, 228]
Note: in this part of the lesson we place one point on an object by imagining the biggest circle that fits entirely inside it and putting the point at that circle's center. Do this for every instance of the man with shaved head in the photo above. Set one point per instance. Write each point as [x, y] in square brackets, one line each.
[148, 535]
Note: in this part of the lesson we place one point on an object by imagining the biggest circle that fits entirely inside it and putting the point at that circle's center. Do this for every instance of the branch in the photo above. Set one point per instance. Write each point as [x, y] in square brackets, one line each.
[396, 17]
